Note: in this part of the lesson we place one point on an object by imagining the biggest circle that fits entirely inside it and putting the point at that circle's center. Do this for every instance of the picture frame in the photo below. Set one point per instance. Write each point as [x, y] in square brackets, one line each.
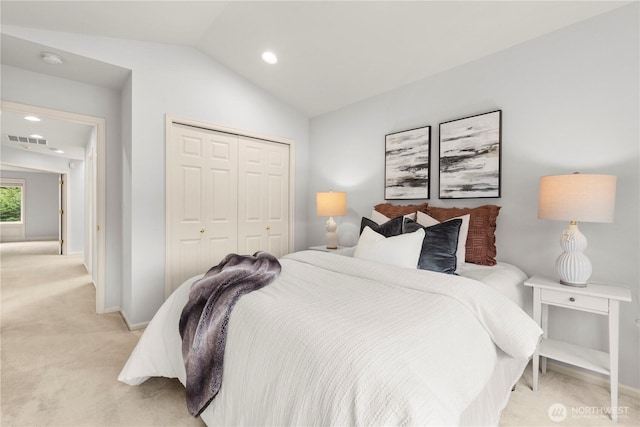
[470, 157]
[407, 164]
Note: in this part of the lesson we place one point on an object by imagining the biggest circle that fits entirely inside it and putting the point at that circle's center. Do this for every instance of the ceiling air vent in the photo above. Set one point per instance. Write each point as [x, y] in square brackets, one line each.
[21, 139]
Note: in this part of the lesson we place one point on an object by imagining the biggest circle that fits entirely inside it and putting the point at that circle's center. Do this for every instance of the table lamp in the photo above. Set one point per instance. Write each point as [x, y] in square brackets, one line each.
[576, 198]
[332, 203]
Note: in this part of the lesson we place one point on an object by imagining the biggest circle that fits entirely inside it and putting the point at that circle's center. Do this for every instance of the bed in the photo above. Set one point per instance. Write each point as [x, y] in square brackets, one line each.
[337, 340]
[418, 324]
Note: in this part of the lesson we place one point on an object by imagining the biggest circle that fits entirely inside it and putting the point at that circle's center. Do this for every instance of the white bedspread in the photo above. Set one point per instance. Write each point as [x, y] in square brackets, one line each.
[341, 341]
[504, 278]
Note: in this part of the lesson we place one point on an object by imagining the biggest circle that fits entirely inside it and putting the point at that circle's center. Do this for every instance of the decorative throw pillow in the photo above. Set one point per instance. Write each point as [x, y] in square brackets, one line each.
[426, 221]
[438, 252]
[394, 211]
[481, 239]
[402, 250]
[387, 229]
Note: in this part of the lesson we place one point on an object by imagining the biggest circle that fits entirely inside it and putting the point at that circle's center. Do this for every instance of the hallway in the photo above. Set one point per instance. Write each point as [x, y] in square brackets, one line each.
[60, 360]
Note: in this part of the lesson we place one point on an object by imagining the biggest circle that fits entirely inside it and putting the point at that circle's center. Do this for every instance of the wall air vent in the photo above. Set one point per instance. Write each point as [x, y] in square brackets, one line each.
[29, 140]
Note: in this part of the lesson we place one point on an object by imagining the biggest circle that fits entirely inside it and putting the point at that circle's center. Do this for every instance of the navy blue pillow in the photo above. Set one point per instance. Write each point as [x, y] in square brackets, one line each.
[388, 229]
[439, 245]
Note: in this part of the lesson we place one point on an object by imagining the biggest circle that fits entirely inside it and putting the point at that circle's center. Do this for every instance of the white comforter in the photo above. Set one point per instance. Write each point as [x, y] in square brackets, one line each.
[341, 341]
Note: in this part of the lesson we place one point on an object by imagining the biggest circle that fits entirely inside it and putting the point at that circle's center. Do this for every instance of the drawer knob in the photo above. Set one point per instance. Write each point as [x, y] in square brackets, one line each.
[572, 299]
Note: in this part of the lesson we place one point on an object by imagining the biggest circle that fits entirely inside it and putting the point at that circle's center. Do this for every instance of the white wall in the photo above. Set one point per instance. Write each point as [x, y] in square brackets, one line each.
[169, 79]
[19, 157]
[570, 101]
[41, 203]
[125, 161]
[75, 207]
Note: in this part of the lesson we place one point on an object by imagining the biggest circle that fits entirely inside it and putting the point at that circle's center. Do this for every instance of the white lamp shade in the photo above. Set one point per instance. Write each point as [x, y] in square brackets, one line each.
[577, 197]
[333, 203]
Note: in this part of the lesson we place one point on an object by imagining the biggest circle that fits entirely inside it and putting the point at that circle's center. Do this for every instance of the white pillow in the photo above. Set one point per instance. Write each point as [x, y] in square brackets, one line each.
[402, 250]
[427, 221]
[380, 219]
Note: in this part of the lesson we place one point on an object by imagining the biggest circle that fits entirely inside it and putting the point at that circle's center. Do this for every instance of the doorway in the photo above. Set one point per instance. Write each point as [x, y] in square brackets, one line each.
[95, 251]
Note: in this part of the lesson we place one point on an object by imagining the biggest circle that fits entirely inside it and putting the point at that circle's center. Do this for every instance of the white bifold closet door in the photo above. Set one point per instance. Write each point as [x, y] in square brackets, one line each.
[225, 194]
[263, 197]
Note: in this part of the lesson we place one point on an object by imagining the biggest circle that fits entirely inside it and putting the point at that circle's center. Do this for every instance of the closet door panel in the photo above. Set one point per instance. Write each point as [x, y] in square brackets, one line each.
[275, 245]
[251, 196]
[277, 203]
[251, 244]
[218, 248]
[221, 193]
[219, 210]
[186, 211]
[202, 196]
[190, 257]
[191, 194]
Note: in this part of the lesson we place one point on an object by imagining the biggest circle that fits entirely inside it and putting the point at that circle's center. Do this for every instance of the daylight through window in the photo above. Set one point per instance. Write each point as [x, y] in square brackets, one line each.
[11, 200]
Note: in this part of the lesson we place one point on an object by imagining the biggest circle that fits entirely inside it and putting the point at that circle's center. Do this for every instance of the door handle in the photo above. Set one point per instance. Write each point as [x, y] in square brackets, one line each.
[201, 230]
[268, 227]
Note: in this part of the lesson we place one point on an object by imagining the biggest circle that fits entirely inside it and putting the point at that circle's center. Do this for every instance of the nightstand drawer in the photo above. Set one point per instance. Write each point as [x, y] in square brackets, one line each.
[573, 300]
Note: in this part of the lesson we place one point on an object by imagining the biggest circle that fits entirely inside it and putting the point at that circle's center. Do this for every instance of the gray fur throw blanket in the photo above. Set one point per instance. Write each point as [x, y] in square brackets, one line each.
[205, 317]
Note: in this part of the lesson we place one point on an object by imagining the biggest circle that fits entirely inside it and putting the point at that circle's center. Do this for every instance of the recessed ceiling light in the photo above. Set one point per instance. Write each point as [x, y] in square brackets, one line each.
[269, 57]
[32, 118]
[35, 135]
[51, 58]
[56, 150]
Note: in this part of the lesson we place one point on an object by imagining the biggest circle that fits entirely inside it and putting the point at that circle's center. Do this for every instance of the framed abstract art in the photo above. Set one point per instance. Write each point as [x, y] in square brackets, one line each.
[406, 172]
[470, 162]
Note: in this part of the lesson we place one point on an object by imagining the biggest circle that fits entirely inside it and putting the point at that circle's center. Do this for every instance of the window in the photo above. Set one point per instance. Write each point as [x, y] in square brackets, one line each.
[11, 200]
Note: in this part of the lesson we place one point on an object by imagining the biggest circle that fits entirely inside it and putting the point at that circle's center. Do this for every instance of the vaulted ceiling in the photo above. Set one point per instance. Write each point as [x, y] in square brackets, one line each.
[331, 53]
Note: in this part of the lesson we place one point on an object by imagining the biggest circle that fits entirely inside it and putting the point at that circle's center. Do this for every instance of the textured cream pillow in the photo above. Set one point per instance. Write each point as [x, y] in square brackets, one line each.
[402, 250]
[427, 221]
[380, 219]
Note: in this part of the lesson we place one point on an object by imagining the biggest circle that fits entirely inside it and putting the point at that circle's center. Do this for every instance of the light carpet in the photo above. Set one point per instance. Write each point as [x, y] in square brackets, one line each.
[60, 361]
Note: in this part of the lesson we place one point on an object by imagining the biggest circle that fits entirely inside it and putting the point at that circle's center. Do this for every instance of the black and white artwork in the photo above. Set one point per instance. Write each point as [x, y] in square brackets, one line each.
[470, 157]
[406, 172]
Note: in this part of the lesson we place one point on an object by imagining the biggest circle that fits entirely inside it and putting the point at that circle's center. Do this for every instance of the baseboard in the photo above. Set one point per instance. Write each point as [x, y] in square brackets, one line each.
[132, 326]
[591, 378]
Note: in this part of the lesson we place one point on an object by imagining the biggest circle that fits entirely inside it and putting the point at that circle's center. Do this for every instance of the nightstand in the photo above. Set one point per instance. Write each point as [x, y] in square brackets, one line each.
[595, 298]
[323, 248]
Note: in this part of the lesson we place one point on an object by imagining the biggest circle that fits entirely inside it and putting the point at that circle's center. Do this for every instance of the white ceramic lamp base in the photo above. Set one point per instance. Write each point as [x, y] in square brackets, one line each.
[573, 266]
[331, 237]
